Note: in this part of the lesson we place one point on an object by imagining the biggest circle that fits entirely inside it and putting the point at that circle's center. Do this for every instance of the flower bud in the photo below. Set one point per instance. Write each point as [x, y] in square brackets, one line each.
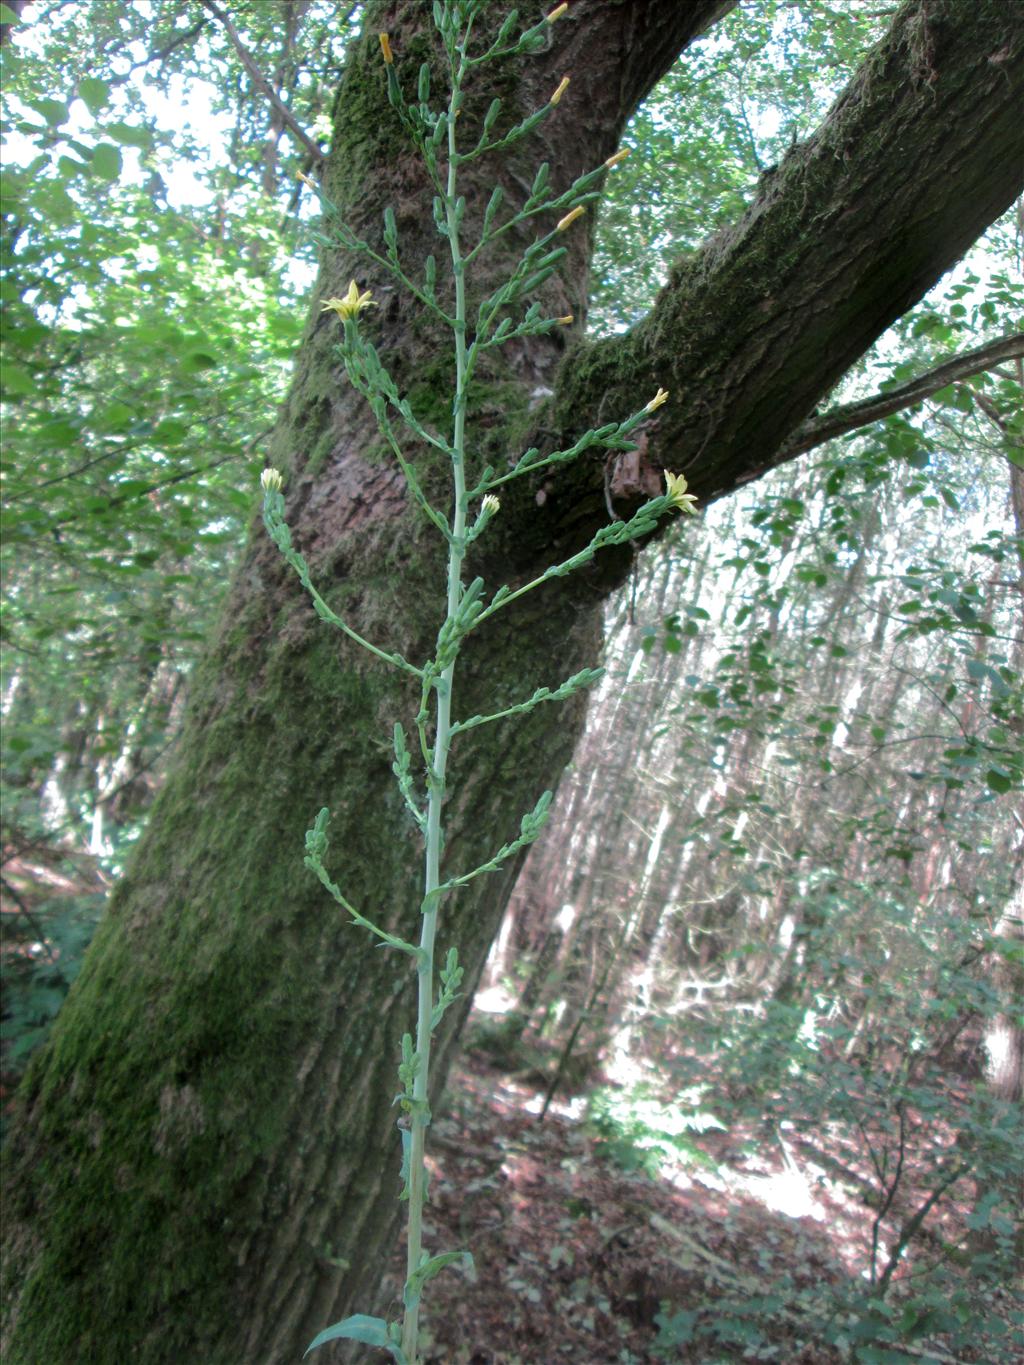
[569, 218]
[563, 86]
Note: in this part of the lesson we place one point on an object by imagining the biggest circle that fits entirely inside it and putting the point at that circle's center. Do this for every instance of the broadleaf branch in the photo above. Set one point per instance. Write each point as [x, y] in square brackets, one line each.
[264, 87]
[838, 421]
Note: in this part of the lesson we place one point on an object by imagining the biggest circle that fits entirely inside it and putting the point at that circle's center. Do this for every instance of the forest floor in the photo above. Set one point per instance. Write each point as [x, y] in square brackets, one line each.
[725, 1240]
[745, 1254]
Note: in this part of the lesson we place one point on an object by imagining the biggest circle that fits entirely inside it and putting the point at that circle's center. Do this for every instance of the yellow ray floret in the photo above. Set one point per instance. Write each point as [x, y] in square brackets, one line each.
[675, 485]
[351, 305]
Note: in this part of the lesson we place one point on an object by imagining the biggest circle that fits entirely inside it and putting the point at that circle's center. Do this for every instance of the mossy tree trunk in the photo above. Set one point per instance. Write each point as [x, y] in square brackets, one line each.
[203, 1164]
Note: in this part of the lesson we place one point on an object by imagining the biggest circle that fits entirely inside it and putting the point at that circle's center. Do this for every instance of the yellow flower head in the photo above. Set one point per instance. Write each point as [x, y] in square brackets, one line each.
[556, 13]
[660, 397]
[675, 486]
[616, 157]
[385, 47]
[270, 481]
[490, 504]
[351, 305]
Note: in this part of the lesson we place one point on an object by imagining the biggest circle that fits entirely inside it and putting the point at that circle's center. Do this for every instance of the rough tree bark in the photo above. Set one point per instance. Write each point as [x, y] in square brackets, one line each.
[203, 1164]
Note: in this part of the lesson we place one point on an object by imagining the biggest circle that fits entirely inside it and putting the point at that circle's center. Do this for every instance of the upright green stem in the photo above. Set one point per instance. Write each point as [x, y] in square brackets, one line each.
[465, 609]
[436, 776]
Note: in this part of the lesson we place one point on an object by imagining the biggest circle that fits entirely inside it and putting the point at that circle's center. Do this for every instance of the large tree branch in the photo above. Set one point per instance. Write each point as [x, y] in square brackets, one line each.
[615, 53]
[922, 152]
[264, 87]
[161, 53]
[827, 426]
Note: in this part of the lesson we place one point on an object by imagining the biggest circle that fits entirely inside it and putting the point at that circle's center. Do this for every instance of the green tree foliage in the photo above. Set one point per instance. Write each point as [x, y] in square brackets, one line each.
[147, 338]
[820, 707]
[759, 93]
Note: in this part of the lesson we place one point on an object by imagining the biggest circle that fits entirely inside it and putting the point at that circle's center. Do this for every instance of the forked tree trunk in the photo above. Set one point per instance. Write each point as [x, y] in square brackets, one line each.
[203, 1167]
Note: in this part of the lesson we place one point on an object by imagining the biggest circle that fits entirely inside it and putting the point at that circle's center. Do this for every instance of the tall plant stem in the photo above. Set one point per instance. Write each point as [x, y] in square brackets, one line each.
[436, 776]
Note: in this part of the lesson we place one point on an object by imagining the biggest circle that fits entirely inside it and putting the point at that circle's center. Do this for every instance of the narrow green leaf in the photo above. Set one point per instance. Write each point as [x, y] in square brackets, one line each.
[414, 1284]
[359, 1327]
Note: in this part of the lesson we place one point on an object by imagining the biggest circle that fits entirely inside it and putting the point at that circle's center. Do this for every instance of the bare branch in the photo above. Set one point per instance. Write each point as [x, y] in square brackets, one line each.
[315, 152]
[827, 426]
[160, 54]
